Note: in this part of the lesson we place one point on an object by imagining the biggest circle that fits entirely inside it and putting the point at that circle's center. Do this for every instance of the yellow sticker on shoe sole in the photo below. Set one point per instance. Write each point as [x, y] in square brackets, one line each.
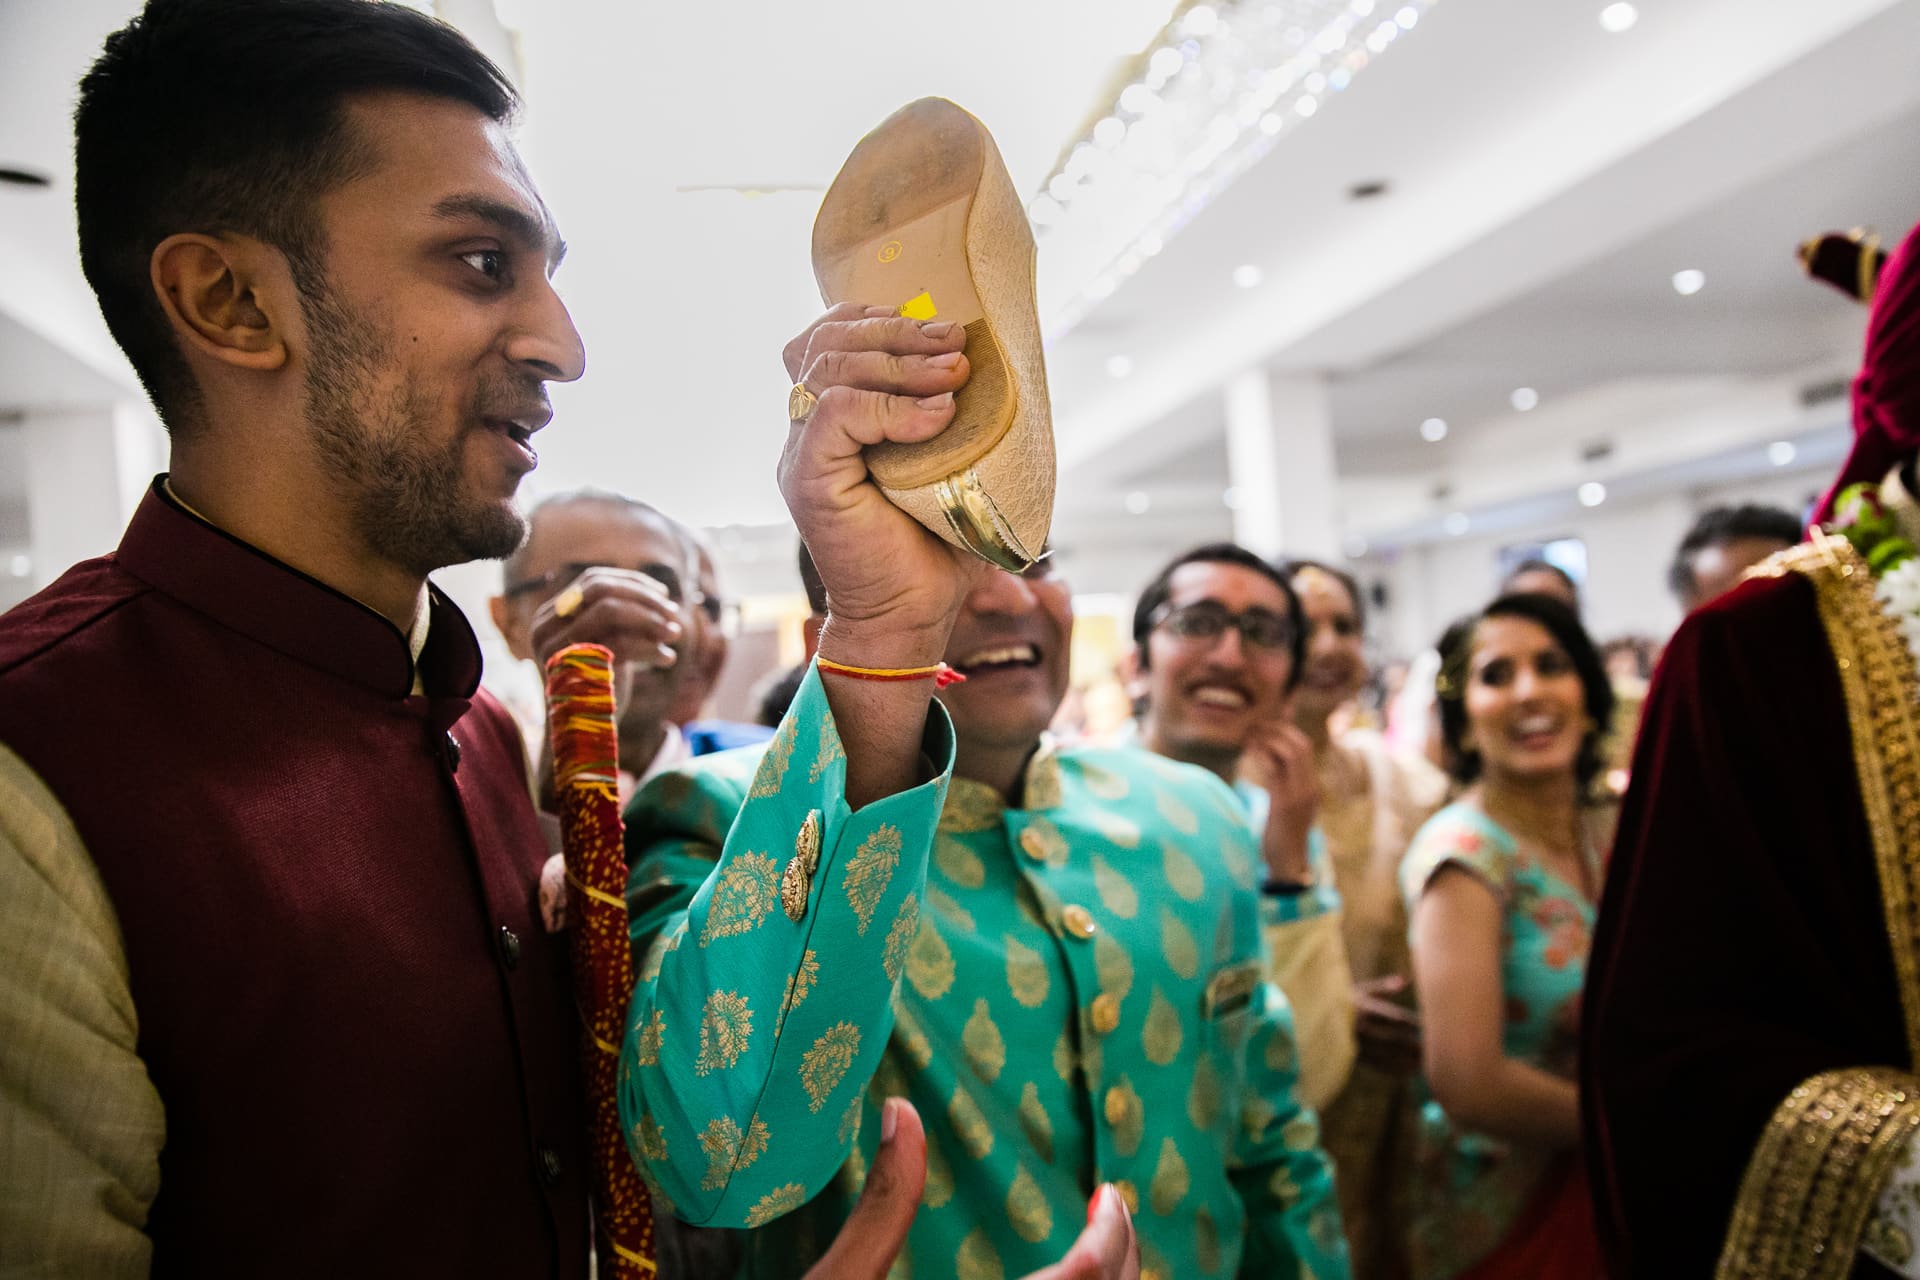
[919, 308]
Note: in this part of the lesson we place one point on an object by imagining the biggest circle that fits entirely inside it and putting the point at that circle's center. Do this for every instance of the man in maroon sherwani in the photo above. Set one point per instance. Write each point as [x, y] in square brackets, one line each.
[1752, 1017]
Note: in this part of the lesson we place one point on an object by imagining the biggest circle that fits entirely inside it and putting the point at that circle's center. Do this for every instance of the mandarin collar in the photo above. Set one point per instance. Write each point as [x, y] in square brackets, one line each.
[974, 806]
[248, 591]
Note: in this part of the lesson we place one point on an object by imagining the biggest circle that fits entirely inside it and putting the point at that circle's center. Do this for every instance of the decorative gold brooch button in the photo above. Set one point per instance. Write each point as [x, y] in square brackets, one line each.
[1104, 1013]
[796, 882]
[1078, 921]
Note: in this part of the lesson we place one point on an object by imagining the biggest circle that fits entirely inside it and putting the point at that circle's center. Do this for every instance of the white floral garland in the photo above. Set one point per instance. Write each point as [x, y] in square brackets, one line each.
[1899, 591]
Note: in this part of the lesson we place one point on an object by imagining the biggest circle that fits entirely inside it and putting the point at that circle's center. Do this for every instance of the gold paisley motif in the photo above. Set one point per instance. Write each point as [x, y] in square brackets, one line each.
[825, 1065]
[830, 750]
[912, 1037]
[800, 981]
[1104, 783]
[971, 806]
[656, 957]
[969, 1124]
[772, 774]
[648, 1137]
[1282, 1187]
[1035, 1122]
[1116, 827]
[1027, 978]
[950, 911]
[986, 1047]
[1154, 1265]
[958, 863]
[1177, 814]
[1161, 1036]
[1028, 1212]
[889, 1078]
[729, 1150]
[1206, 1241]
[849, 1129]
[725, 1028]
[1117, 893]
[1127, 1116]
[1183, 873]
[1112, 965]
[1239, 862]
[1302, 1133]
[906, 923]
[1064, 1060]
[977, 1260]
[646, 1048]
[1177, 944]
[1203, 1096]
[1043, 780]
[939, 1185]
[1170, 1180]
[1279, 1054]
[1092, 1062]
[742, 899]
[1256, 1116]
[869, 872]
[902, 1268]
[777, 1202]
[929, 961]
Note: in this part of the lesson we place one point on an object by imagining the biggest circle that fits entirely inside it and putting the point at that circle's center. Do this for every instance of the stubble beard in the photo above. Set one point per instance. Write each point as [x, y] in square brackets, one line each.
[406, 498]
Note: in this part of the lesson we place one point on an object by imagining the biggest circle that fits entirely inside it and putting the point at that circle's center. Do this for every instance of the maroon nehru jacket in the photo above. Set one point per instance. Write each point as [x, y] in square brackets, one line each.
[327, 888]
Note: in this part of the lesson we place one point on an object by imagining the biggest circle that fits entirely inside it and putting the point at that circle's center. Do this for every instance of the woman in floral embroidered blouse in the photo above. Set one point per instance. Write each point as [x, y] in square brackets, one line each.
[1501, 891]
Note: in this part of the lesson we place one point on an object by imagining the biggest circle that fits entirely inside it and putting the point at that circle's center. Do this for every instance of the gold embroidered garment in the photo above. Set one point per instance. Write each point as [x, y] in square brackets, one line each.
[1071, 992]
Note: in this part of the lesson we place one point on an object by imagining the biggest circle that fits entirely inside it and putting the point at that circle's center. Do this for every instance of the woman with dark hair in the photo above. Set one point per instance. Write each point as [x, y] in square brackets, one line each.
[1373, 799]
[1501, 889]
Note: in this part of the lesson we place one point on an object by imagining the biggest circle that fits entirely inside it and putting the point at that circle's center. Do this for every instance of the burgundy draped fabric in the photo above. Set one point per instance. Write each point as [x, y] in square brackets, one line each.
[1741, 946]
[1886, 395]
[580, 720]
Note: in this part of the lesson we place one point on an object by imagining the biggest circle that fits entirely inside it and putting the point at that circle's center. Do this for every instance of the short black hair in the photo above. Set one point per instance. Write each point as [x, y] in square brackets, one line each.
[1563, 624]
[228, 116]
[1537, 565]
[1290, 569]
[1719, 525]
[1158, 590]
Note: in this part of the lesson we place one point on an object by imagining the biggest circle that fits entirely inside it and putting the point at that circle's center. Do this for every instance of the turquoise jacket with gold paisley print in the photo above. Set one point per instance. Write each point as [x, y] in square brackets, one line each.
[1074, 993]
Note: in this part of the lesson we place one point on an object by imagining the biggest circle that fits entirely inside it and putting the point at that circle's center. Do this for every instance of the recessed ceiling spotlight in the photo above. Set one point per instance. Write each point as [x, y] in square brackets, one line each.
[1524, 398]
[1230, 498]
[1592, 493]
[1689, 282]
[1457, 524]
[1616, 18]
[1782, 453]
[1139, 502]
[20, 566]
[1433, 430]
[1119, 366]
[13, 175]
[1356, 547]
[1407, 17]
[1248, 276]
[1367, 190]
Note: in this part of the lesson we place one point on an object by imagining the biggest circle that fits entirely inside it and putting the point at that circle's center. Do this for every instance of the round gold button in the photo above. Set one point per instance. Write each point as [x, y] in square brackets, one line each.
[1034, 844]
[1078, 921]
[1105, 1013]
[1116, 1106]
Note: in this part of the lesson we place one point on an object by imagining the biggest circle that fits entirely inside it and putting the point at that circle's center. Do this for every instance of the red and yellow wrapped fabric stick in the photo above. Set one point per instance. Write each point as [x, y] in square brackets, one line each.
[580, 721]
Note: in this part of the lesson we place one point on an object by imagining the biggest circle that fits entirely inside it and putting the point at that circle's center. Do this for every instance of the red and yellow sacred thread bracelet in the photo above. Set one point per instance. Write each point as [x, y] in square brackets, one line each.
[941, 674]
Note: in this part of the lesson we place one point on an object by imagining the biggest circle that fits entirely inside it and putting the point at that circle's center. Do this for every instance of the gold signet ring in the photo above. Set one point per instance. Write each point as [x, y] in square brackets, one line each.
[567, 603]
[801, 403]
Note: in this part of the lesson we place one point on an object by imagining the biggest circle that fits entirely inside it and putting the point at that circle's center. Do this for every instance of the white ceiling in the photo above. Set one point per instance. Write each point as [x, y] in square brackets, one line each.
[1546, 180]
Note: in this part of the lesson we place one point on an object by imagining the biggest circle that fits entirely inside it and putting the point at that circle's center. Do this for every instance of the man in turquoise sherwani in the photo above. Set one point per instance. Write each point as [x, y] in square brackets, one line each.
[1073, 993]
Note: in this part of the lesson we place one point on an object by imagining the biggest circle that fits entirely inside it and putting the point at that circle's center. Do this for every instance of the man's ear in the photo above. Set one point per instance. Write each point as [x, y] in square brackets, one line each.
[502, 614]
[1131, 670]
[227, 296]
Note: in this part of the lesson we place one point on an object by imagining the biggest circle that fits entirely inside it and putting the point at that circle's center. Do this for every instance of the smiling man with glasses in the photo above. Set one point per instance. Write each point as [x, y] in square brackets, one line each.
[1220, 641]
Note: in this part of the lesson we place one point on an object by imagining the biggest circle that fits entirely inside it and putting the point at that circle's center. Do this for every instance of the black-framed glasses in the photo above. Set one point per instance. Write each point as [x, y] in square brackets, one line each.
[552, 580]
[1208, 620]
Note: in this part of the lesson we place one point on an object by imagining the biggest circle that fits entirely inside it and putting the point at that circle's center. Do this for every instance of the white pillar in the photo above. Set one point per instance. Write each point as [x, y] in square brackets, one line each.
[1280, 464]
[87, 469]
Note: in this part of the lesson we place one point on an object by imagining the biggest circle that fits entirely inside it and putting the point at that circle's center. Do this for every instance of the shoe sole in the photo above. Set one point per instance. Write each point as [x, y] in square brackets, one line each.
[923, 216]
